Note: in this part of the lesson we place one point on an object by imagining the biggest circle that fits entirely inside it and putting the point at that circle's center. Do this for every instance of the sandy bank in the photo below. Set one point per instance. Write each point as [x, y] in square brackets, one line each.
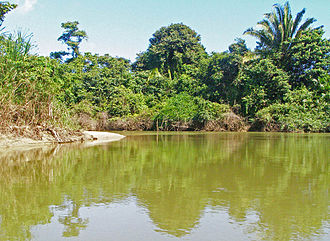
[99, 137]
[87, 137]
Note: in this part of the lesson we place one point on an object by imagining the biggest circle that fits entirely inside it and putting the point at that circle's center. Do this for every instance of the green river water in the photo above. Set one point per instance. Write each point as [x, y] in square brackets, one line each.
[171, 186]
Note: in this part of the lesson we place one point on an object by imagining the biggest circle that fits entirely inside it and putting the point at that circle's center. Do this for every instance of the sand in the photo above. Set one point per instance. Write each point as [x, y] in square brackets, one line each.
[89, 138]
[100, 137]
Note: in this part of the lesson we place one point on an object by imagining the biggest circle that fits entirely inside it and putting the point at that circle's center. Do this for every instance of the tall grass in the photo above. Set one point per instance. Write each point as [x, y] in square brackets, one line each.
[28, 85]
[16, 46]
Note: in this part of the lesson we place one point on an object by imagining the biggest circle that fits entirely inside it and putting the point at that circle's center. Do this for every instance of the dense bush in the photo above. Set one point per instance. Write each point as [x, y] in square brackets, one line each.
[262, 83]
[308, 60]
[28, 86]
[187, 112]
[302, 111]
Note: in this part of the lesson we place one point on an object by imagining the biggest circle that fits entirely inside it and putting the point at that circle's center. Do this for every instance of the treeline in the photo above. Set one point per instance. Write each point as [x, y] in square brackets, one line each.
[282, 85]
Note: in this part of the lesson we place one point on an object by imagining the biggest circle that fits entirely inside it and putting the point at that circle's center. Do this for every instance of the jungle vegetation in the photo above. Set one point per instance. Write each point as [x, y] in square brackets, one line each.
[282, 85]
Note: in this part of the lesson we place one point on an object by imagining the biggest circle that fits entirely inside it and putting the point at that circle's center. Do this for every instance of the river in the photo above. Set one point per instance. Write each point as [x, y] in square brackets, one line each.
[171, 186]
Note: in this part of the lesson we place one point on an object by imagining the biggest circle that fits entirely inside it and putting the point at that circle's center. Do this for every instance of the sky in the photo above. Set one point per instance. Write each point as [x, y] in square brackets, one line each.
[123, 27]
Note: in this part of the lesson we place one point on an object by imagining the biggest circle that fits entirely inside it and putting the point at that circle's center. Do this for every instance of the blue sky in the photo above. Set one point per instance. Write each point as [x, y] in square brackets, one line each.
[123, 27]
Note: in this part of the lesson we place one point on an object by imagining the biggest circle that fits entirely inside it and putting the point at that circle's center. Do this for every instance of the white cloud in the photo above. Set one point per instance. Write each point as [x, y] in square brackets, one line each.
[26, 5]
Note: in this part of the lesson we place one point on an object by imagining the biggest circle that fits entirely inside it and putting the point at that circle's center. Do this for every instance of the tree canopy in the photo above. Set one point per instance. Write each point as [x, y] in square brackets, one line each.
[170, 48]
[308, 61]
[279, 26]
[72, 37]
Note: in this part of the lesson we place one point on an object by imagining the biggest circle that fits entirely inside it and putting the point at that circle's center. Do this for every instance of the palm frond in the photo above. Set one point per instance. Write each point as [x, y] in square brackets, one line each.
[266, 38]
[261, 35]
[279, 26]
[266, 25]
[297, 22]
[304, 26]
[278, 11]
[287, 21]
[248, 31]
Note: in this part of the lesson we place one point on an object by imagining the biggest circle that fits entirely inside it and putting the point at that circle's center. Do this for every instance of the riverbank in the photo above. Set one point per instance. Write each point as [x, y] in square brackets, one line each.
[37, 136]
[99, 137]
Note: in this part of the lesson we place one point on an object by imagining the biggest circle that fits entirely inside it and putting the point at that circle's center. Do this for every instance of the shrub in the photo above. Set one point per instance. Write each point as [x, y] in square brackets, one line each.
[123, 102]
[183, 112]
[140, 122]
[303, 110]
[28, 86]
[262, 84]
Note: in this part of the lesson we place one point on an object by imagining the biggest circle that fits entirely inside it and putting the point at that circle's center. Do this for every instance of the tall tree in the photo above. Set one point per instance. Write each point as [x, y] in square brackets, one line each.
[170, 48]
[261, 83]
[5, 7]
[72, 37]
[221, 72]
[239, 47]
[279, 26]
[308, 61]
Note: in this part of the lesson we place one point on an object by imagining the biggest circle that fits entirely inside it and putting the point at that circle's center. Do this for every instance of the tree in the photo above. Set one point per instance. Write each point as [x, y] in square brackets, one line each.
[239, 47]
[219, 77]
[5, 7]
[170, 49]
[93, 78]
[261, 83]
[279, 26]
[222, 71]
[72, 37]
[308, 61]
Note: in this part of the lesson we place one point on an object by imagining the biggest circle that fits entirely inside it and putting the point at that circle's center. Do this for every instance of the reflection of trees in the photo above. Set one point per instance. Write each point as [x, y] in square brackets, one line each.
[288, 192]
[175, 182]
[281, 178]
[72, 222]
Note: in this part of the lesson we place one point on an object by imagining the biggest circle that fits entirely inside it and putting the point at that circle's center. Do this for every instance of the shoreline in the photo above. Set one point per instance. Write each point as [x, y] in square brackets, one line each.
[86, 138]
[89, 138]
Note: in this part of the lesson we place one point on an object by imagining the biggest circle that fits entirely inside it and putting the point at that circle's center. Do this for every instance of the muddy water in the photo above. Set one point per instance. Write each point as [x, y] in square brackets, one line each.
[227, 186]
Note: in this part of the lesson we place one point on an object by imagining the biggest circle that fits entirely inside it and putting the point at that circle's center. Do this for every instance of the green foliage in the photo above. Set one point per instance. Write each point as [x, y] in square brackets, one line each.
[16, 46]
[188, 84]
[303, 110]
[174, 84]
[149, 84]
[170, 48]
[220, 76]
[185, 108]
[94, 78]
[72, 37]
[181, 107]
[208, 110]
[28, 87]
[5, 7]
[123, 102]
[104, 82]
[261, 84]
[84, 107]
[278, 27]
[308, 61]
[239, 47]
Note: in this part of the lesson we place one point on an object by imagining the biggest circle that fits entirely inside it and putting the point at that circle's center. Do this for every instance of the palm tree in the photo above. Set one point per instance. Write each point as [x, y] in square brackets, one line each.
[278, 26]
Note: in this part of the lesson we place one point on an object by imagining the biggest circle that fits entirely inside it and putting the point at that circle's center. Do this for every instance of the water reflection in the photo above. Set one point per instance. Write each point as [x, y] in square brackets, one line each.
[274, 185]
